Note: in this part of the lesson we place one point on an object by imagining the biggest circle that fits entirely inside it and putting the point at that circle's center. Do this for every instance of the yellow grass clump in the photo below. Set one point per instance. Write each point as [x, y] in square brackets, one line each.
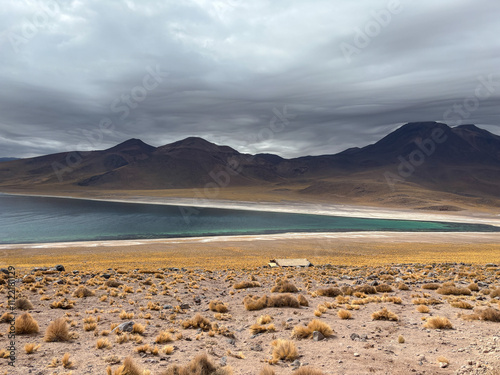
[26, 325]
[344, 314]
[284, 286]
[302, 332]
[200, 365]
[284, 350]
[438, 322]
[57, 330]
[384, 314]
[218, 306]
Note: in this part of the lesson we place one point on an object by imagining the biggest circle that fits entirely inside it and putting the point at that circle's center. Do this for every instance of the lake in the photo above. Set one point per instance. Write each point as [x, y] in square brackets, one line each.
[26, 219]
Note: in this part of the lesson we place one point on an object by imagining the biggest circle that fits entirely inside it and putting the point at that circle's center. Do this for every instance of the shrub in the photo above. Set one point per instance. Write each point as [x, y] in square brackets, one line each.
[473, 287]
[24, 304]
[344, 314]
[384, 314]
[164, 337]
[461, 305]
[128, 368]
[303, 332]
[6, 318]
[264, 319]
[302, 300]
[66, 362]
[217, 306]
[453, 290]
[403, 286]
[423, 309]
[284, 350]
[430, 286]
[367, 289]
[57, 331]
[26, 325]
[198, 321]
[490, 314]
[246, 284]
[495, 293]
[31, 348]
[329, 292]
[83, 292]
[284, 286]
[438, 322]
[200, 365]
[103, 344]
[384, 288]
[253, 303]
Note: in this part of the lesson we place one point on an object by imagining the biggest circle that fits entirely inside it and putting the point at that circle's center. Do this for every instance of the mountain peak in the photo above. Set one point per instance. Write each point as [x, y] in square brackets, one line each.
[132, 143]
[199, 144]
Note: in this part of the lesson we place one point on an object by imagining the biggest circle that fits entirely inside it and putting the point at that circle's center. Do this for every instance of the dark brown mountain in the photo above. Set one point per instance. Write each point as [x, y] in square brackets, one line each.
[427, 156]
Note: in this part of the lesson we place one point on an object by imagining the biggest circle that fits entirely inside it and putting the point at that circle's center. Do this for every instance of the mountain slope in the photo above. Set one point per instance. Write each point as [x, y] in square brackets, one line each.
[426, 156]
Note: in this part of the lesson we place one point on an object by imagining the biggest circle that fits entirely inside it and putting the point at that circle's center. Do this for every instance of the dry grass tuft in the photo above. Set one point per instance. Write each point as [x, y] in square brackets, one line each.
[24, 304]
[26, 325]
[329, 292]
[284, 350]
[246, 284]
[438, 322]
[461, 305]
[57, 331]
[302, 300]
[218, 306]
[253, 303]
[31, 348]
[490, 314]
[83, 292]
[284, 286]
[430, 286]
[423, 309]
[128, 368]
[198, 321]
[384, 314]
[66, 362]
[453, 290]
[367, 289]
[344, 314]
[6, 318]
[302, 332]
[200, 365]
[384, 288]
[164, 337]
[308, 371]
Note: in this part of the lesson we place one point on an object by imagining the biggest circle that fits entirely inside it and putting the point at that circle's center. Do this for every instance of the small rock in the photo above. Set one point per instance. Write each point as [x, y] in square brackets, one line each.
[318, 336]
[60, 268]
[185, 306]
[356, 354]
[106, 276]
[443, 364]
[223, 361]
[125, 327]
[256, 348]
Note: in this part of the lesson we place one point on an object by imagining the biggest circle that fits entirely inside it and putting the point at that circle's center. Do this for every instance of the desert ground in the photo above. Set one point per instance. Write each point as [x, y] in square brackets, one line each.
[373, 303]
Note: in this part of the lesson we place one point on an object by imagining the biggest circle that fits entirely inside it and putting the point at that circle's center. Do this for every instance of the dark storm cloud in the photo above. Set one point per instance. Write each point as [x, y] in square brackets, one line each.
[285, 77]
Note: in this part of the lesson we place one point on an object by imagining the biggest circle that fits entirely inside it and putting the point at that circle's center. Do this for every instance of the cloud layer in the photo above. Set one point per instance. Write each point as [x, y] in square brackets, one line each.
[286, 77]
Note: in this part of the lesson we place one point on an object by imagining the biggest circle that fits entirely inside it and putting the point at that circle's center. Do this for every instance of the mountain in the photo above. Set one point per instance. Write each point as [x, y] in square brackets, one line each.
[7, 159]
[409, 163]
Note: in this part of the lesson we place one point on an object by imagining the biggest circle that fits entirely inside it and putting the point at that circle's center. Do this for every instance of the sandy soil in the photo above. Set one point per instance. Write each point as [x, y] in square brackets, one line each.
[360, 345]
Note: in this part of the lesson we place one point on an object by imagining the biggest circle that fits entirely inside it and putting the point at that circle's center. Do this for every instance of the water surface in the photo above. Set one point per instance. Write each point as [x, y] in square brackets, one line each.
[26, 219]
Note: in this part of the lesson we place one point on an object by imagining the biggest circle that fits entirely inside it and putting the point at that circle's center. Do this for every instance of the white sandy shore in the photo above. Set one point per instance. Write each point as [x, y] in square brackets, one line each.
[380, 237]
[305, 208]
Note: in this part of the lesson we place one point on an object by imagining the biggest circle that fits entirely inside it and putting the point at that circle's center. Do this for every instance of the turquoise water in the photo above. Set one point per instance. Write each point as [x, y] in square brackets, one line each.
[39, 219]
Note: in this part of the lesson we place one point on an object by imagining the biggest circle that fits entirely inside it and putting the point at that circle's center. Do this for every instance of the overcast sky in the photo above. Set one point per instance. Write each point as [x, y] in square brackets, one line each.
[290, 77]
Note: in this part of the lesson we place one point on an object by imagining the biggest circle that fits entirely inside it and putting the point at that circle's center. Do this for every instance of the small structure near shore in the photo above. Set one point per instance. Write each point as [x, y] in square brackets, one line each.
[290, 263]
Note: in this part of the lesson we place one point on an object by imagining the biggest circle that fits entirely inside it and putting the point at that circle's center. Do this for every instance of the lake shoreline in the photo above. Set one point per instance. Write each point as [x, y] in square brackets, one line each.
[353, 211]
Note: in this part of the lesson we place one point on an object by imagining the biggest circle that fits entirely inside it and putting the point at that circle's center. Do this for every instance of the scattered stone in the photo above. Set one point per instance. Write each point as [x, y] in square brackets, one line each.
[60, 268]
[125, 327]
[318, 336]
[356, 354]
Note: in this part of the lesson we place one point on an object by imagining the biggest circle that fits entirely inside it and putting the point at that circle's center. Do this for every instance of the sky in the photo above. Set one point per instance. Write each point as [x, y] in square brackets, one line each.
[290, 77]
